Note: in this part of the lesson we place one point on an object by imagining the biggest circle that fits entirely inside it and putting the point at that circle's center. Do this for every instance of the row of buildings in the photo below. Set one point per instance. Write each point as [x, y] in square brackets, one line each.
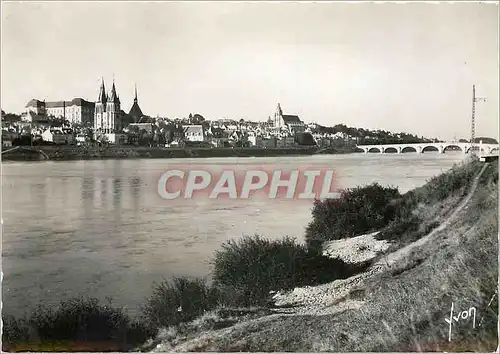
[103, 113]
[109, 122]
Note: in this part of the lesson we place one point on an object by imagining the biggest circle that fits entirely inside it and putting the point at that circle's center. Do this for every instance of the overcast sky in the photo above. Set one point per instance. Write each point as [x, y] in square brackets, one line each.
[398, 67]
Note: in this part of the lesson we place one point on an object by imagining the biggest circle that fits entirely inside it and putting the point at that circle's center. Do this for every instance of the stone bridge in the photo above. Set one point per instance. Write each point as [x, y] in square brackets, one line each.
[428, 147]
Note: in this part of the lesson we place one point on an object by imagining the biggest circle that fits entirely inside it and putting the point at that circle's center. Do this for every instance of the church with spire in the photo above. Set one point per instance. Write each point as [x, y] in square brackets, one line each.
[135, 111]
[108, 114]
[287, 121]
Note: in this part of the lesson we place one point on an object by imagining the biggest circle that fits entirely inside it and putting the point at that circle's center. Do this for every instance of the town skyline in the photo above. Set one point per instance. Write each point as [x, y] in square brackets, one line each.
[399, 68]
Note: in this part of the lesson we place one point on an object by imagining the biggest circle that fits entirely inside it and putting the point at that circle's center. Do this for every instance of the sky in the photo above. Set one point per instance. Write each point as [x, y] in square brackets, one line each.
[398, 67]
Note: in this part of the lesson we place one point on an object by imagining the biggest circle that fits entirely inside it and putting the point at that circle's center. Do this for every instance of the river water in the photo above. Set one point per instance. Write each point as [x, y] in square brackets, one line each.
[99, 228]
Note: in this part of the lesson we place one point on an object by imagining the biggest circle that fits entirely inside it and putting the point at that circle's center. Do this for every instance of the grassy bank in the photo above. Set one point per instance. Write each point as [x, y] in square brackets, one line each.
[67, 153]
[443, 249]
[244, 274]
[401, 301]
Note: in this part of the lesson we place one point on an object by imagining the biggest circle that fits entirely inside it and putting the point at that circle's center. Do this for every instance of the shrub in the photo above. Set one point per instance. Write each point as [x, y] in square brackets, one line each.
[177, 301]
[246, 270]
[75, 320]
[305, 139]
[359, 210]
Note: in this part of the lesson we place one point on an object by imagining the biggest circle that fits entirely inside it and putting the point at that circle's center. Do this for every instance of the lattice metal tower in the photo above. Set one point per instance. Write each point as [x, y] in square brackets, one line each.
[473, 118]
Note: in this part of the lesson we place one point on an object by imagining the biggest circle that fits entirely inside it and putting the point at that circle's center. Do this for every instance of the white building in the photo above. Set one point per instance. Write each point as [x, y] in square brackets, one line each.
[292, 122]
[36, 107]
[194, 133]
[75, 111]
[254, 140]
[55, 136]
[148, 127]
[108, 115]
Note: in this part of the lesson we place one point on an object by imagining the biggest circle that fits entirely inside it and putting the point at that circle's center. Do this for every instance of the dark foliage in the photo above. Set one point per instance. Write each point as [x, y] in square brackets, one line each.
[304, 139]
[76, 320]
[177, 301]
[246, 271]
[359, 210]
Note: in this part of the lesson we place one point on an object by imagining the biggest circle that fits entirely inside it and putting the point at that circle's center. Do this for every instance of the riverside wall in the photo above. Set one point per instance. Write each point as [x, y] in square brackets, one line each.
[62, 153]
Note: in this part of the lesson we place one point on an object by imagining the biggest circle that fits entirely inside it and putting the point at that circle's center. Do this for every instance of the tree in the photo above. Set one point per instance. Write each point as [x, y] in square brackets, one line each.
[305, 139]
[156, 136]
[59, 122]
[10, 117]
[102, 139]
[145, 138]
[485, 140]
[89, 135]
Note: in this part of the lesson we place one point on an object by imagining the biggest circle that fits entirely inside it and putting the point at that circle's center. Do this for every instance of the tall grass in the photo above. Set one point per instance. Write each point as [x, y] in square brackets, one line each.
[457, 179]
[408, 224]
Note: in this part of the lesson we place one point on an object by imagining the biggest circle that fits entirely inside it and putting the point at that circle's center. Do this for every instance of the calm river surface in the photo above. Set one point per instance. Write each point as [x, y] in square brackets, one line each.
[99, 228]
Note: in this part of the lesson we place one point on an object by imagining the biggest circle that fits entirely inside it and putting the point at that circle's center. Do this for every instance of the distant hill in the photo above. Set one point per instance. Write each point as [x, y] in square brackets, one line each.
[371, 137]
[486, 140]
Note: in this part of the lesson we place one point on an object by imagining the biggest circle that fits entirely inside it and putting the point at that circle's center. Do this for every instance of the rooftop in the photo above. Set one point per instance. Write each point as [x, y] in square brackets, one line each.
[288, 118]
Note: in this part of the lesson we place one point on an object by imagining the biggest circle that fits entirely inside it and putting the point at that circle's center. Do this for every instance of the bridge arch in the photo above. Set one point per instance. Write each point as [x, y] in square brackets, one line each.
[453, 147]
[430, 148]
[390, 150]
[475, 148]
[374, 149]
[408, 149]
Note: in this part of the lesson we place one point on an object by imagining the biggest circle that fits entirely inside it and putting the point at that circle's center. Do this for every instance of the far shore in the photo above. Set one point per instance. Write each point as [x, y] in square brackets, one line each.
[68, 153]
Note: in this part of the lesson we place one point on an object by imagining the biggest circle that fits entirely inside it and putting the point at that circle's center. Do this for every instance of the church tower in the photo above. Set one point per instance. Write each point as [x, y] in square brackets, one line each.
[107, 114]
[278, 117]
[113, 111]
[135, 111]
[100, 109]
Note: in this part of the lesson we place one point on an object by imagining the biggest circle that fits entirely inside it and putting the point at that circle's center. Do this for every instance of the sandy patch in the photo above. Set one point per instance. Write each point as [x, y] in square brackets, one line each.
[334, 297]
[355, 249]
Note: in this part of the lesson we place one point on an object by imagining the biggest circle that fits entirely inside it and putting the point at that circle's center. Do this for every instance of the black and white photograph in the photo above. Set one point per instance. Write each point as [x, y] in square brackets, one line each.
[261, 176]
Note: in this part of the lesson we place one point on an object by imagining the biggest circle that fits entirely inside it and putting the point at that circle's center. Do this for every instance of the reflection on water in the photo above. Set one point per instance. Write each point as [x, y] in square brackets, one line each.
[98, 228]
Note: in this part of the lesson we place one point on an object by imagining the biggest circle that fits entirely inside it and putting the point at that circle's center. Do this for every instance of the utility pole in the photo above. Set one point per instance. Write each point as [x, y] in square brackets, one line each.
[473, 120]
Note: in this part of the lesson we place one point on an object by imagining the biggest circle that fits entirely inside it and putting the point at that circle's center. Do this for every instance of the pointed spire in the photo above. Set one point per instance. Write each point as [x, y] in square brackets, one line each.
[113, 97]
[135, 110]
[102, 92]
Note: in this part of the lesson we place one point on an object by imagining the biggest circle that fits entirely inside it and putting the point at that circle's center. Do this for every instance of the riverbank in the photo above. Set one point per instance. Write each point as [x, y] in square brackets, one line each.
[319, 303]
[399, 303]
[68, 153]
